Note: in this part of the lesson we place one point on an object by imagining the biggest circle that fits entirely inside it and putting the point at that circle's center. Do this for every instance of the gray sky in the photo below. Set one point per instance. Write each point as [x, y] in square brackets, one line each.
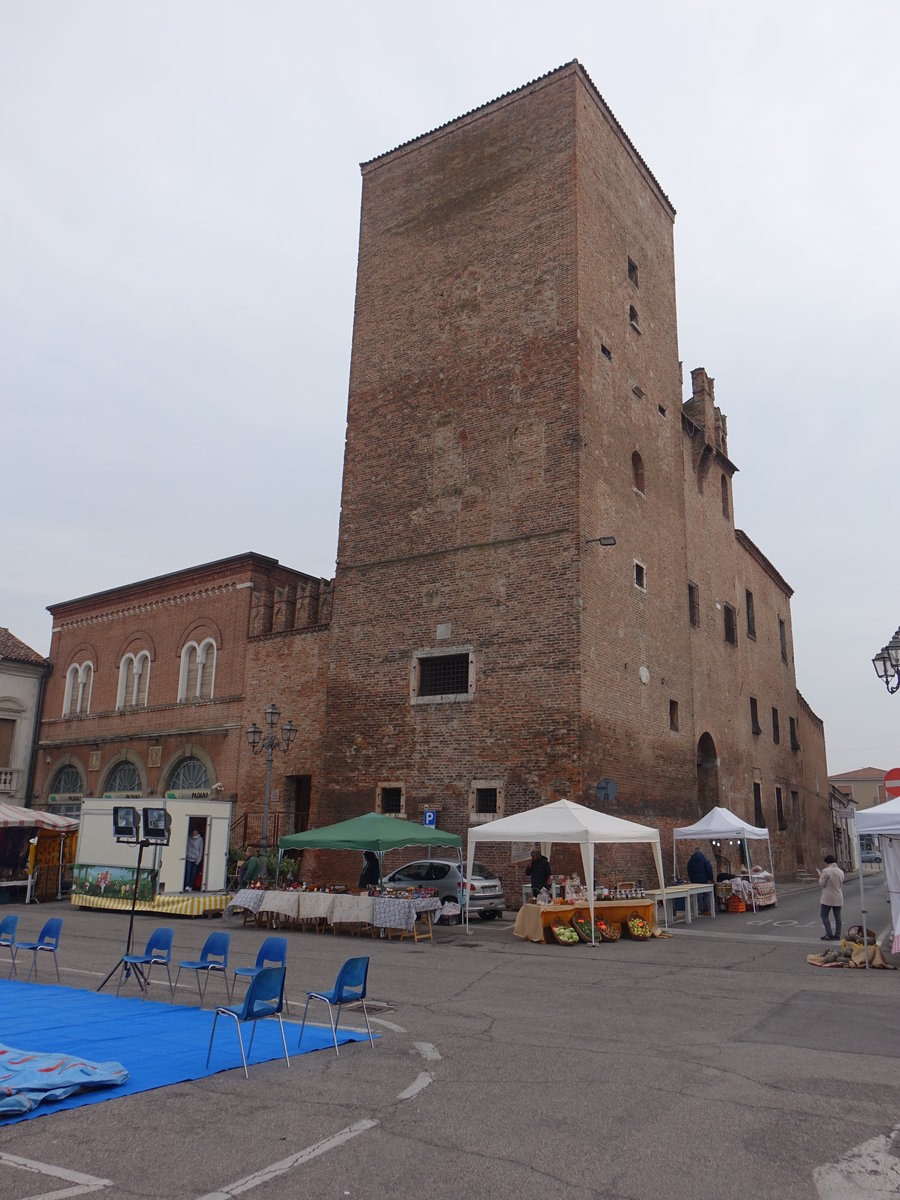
[179, 205]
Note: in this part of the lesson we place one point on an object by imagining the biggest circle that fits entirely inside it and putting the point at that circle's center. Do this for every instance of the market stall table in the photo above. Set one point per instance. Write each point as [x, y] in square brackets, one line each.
[396, 912]
[533, 920]
[314, 908]
[357, 912]
[690, 893]
[279, 909]
[249, 900]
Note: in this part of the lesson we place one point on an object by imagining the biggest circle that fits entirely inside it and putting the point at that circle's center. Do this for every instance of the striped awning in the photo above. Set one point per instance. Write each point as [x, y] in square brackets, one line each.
[13, 816]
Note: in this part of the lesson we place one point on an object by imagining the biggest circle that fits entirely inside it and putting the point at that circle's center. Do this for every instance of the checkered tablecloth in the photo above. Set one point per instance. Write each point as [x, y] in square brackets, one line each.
[249, 899]
[392, 912]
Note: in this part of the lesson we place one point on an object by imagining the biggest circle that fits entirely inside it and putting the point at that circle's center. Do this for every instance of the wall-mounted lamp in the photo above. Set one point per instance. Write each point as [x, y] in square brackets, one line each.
[604, 541]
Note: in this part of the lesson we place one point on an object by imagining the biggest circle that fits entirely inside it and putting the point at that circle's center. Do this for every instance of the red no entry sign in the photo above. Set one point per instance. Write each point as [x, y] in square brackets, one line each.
[892, 782]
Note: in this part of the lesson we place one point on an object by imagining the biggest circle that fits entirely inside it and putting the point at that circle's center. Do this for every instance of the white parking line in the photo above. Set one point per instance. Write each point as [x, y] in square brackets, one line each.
[287, 1164]
[418, 1085]
[83, 1184]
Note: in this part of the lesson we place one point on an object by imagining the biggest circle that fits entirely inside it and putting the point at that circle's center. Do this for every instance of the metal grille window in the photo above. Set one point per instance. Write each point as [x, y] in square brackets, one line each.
[125, 777]
[486, 800]
[444, 675]
[392, 800]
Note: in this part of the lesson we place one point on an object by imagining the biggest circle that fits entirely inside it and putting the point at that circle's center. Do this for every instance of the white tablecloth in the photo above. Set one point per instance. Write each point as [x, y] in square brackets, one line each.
[351, 910]
[280, 904]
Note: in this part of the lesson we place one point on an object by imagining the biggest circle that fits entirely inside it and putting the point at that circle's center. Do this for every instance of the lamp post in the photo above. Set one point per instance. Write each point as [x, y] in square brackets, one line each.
[887, 664]
[270, 742]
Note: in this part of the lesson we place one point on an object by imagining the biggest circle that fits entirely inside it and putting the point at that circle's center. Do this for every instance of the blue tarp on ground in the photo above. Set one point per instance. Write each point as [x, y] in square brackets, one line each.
[157, 1044]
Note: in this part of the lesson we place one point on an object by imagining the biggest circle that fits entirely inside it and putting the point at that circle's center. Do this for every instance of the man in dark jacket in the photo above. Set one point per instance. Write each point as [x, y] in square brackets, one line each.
[700, 870]
[538, 871]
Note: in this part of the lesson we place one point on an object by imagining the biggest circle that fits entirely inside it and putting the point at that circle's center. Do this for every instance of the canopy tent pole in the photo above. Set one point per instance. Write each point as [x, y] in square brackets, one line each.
[862, 898]
[750, 874]
[587, 860]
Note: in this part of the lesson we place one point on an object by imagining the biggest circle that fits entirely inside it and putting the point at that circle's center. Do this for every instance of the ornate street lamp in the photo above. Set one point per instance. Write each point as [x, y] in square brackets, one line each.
[887, 664]
[270, 742]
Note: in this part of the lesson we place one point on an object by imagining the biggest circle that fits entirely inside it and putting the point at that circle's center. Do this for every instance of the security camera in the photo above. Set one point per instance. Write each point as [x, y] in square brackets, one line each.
[217, 787]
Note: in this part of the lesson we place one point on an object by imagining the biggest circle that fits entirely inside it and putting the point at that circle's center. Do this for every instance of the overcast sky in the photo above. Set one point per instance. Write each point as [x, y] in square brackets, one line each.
[179, 207]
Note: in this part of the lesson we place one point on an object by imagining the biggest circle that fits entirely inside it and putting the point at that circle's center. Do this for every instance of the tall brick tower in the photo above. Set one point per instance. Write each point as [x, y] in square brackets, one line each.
[515, 394]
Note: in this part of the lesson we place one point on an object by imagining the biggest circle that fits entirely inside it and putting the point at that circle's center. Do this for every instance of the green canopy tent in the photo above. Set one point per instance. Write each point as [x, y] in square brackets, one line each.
[371, 831]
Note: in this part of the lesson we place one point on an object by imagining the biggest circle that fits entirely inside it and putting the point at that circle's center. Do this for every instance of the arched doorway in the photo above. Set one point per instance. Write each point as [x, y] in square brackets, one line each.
[707, 773]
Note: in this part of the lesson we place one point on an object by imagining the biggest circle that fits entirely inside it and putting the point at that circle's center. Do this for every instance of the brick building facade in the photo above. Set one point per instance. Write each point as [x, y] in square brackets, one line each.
[155, 683]
[515, 395]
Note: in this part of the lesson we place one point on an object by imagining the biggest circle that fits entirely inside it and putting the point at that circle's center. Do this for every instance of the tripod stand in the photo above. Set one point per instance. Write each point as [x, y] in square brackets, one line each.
[129, 967]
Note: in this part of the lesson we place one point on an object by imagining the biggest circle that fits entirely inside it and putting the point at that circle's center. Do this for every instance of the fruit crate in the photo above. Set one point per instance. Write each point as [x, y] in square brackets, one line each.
[736, 904]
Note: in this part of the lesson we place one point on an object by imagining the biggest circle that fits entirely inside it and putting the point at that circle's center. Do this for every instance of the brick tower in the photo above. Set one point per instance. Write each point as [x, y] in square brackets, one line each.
[515, 394]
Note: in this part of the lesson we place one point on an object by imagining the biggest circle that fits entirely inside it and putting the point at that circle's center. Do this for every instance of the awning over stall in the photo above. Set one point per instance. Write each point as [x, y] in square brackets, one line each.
[564, 821]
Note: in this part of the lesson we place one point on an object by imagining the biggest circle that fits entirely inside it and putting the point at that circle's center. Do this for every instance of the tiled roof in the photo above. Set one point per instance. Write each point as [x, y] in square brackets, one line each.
[864, 773]
[16, 651]
[573, 65]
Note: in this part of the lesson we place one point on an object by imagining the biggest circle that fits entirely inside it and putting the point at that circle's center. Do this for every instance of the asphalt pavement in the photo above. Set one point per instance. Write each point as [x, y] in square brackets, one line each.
[713, 1063]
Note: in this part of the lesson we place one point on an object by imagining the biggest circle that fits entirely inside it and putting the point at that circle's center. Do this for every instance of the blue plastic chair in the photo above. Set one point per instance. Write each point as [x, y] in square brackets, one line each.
[158, 953]
[48, 941]
[213, 958]
[265, 998]
[272, 953]
[8, 938]
[349, 988]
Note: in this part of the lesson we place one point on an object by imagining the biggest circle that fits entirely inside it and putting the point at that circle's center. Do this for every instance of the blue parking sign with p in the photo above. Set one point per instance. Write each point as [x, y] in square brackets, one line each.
[430, 817]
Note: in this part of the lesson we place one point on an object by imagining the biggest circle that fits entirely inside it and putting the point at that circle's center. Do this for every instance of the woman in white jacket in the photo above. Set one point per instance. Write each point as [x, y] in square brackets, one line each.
[830, 881]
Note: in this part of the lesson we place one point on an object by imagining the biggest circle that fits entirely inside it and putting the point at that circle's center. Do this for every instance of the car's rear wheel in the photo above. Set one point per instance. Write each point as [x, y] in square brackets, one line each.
[488, 914]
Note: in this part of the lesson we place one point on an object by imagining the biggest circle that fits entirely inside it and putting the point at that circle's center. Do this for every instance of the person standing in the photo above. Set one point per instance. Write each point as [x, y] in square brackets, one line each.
[193, 857]
[830, 881]
[538, 871]
[370, 873]
[700, 870]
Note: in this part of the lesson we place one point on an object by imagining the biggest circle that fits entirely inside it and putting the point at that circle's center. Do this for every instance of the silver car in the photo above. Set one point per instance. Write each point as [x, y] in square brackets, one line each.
[484, 893]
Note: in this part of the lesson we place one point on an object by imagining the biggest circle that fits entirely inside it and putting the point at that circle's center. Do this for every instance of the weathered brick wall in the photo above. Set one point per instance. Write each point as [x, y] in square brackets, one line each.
[461, 469]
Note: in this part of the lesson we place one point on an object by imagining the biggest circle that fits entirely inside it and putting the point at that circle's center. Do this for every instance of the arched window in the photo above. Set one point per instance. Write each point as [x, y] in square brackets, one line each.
[188, 775]
[637, 472]
[726, 507]
[77, 699]
[134, 681]
[67, 782]
[198, 671]
[124, 777]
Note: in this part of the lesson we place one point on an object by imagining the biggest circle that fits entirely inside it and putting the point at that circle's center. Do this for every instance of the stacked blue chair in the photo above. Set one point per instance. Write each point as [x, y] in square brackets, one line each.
[272, 953]
[350, 988]
[8, 938]
[213, 960]
[265, 998]
[48, 942]
[158, 953]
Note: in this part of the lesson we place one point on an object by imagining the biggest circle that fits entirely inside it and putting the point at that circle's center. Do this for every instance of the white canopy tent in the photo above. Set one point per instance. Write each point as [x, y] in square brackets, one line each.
[883, 821]
[719, 824]
[564, 821]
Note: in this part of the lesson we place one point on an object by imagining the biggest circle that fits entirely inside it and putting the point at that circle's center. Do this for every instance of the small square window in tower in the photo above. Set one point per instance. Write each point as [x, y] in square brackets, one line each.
[391, 799]
[486, 800]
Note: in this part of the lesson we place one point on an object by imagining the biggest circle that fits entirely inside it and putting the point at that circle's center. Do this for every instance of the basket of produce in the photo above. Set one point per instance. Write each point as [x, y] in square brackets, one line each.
[563, 932]
[637, 927]
[606, 931]
[582, 927]
[736, 904]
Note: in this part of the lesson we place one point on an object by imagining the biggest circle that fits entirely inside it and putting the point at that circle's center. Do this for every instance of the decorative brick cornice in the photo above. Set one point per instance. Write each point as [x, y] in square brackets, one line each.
[128, 612]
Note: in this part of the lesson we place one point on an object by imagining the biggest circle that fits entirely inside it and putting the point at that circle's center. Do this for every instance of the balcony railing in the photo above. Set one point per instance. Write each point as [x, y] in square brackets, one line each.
[7, 779]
